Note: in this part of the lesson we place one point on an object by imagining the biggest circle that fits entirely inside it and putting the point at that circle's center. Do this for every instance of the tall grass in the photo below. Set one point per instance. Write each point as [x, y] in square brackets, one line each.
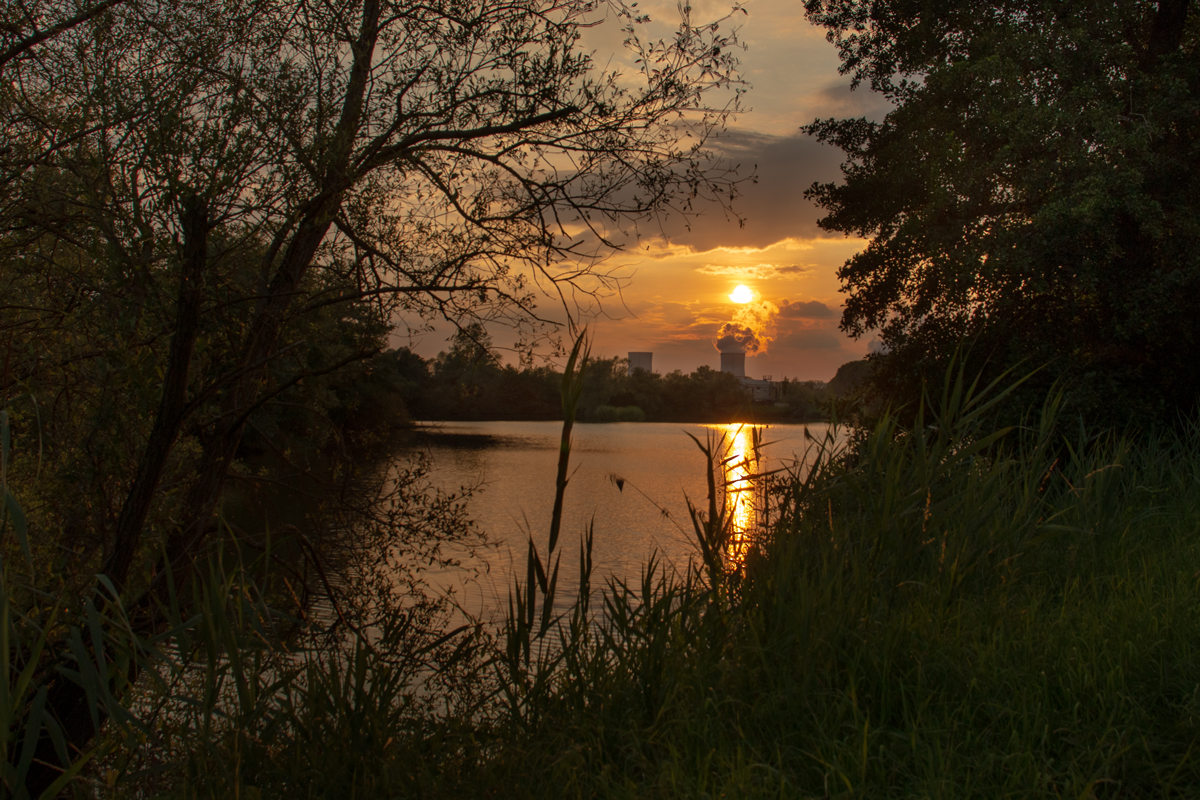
[947, 611]
[944, 611]
[225, 700]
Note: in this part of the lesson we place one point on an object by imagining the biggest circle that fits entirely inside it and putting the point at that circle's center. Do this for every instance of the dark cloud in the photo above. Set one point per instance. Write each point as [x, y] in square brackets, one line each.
[750, 331]
[839, 100]
[774, 207]
[811, 309]
[756, 272]
[811, 339]
[735, 338]
[678, 314]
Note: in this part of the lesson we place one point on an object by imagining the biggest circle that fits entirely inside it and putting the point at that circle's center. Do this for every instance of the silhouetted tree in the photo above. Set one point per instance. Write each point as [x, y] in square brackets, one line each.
[1033, 193]
[206, 206]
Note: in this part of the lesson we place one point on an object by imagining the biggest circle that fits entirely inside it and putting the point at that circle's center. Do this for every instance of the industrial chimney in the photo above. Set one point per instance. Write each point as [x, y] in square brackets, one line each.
[641, 361]
[734, 363]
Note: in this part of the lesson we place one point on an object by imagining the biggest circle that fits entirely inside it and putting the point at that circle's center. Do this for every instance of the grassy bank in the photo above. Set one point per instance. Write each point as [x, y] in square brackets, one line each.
[949, 612]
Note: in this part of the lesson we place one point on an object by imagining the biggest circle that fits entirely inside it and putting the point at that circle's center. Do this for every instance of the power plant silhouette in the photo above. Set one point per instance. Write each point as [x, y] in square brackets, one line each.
[734, 363]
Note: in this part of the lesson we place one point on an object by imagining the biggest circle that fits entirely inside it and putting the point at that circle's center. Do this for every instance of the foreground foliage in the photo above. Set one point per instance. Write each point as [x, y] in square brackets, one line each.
[213, 214]
[945, 611]
[1033, 188]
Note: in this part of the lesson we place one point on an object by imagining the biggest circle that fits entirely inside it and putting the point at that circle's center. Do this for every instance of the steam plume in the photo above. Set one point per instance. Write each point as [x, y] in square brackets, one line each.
[751, 331]
[735, 338]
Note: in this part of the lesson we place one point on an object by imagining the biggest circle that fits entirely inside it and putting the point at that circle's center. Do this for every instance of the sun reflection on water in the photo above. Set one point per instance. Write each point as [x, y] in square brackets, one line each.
[738, 462]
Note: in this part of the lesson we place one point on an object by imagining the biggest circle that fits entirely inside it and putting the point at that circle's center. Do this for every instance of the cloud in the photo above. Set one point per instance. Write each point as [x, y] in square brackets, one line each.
[811, 339]
[837, 99]
[735, 338]
[811, 309]
[773, 205]
[751, 331]
[756, 272]
[678, 313]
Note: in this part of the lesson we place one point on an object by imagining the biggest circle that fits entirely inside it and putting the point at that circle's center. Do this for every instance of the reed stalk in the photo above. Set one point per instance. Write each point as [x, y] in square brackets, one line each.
[523, 626]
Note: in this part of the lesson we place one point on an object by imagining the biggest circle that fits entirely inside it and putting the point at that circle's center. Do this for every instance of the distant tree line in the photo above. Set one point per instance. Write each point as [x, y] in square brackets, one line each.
[469, 382]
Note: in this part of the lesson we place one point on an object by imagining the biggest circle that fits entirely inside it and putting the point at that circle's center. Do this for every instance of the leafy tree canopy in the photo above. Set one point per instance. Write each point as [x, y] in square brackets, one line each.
[1033, 191]
[208, 210]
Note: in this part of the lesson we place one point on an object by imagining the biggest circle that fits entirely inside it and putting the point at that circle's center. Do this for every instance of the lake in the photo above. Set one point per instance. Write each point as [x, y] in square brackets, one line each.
[629, 479]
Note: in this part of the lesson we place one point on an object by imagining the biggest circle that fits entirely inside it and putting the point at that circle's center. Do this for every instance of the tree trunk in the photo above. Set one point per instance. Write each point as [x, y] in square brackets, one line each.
[67, 701]
[173, 404]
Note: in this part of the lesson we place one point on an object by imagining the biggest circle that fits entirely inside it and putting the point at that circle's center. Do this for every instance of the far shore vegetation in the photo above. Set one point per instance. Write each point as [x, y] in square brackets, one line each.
[470, 382]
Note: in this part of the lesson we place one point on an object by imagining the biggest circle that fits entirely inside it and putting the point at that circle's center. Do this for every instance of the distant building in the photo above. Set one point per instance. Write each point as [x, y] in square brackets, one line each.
[761, 391]
[641, 361]
[734, 364]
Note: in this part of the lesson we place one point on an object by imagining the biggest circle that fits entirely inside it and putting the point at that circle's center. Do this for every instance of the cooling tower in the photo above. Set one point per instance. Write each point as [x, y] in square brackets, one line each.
[641, 361]
[734, 363]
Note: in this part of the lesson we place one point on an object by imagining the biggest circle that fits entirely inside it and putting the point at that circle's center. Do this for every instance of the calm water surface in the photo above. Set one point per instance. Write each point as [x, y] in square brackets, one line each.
[514, 466]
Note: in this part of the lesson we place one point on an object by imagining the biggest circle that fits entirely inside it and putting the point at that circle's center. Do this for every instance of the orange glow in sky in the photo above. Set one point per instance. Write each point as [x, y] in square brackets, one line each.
[673, 292]
[742, 294]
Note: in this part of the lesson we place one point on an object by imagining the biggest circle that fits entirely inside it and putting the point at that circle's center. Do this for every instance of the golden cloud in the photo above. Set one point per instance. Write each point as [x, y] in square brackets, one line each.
[751, 331]
[756, 271]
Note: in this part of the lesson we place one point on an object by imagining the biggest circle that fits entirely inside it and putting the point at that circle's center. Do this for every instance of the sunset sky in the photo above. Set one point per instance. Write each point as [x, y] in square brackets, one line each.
[676, 297]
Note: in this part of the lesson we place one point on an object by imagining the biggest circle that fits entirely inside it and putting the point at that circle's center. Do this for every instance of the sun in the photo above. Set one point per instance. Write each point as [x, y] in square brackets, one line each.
[742, 294]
